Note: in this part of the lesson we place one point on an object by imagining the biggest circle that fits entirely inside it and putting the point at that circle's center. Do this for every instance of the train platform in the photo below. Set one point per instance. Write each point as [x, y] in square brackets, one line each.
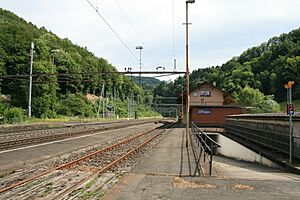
[170, 172]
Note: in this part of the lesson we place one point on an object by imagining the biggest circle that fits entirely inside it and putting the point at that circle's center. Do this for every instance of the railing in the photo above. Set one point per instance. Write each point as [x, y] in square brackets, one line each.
[296, 147]
[203, 147]
[275, 141]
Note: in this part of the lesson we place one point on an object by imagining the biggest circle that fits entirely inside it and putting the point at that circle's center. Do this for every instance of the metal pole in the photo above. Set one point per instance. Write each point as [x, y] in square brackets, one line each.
[30, 80]
[174, 65]
[99, 106]
[140, 48]
[187, 78]
[182, 107]
[291, 127]
[115, 101]
[103, 94]
[128, 112]
[140, 66]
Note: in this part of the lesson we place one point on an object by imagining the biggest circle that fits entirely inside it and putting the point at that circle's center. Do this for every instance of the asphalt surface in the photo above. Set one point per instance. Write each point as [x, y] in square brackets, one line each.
[170, 172]
[17, 158]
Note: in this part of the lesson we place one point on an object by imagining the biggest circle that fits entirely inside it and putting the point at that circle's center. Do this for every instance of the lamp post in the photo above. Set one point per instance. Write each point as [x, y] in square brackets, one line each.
[187, 72]
[140, 48]
[30, 80]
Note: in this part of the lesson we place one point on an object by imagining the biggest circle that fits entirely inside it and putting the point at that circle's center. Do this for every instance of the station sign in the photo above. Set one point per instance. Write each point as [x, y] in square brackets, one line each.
[204, 112]
[290, 109]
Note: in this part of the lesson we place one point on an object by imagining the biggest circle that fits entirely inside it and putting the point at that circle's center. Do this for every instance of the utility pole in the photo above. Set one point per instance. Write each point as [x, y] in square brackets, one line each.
[53, 52]
[99, 106]
[128, 108]
[187, 73]
[175, 65]
[140, 48]
[106, 104]
[115, 101]
[30, 80]
[103, 102]
[290, 112]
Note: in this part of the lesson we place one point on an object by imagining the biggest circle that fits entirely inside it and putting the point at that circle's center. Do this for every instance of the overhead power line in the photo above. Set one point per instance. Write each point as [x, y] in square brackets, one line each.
[136, 32]
[111, 28]
[86, 74]
[129, 21]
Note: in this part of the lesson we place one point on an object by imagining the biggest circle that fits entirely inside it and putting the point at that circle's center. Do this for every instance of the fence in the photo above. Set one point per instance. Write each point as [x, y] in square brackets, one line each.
[203, 148]
[276, 140]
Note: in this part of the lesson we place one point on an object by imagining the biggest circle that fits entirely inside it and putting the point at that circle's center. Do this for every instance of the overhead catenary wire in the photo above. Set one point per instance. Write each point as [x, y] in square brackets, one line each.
[113, 30]
[129, 21]
[136, 32]
[84, 74]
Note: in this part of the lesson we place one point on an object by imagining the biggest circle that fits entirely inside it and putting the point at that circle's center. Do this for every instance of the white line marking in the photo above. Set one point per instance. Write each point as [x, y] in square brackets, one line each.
[58, 141]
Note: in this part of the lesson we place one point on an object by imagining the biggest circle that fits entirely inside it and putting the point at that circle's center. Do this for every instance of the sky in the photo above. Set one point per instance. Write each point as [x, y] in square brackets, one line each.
[220, 29]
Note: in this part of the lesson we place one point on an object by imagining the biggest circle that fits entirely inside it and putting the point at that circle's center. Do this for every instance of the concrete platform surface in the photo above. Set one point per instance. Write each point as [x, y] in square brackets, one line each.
[170, 172]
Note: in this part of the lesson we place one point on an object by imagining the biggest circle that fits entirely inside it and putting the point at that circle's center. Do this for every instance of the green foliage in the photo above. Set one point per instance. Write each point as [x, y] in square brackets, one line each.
[11, 115]
[122, 108]
[45, 106]
[146, 111]
[269, 105]
[147, 83]
[52, 95]
[259, 102]
[76, 105]
[250, 97]
[266, 68]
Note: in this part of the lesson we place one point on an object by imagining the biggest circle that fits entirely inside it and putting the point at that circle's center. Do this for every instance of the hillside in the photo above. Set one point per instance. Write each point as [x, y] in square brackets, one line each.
[61, 67]
[267, 67]
[148, 83]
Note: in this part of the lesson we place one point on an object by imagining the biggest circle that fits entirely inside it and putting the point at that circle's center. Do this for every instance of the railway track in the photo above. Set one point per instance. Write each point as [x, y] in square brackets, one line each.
[61, 125]
[86, 175]
[33, 137]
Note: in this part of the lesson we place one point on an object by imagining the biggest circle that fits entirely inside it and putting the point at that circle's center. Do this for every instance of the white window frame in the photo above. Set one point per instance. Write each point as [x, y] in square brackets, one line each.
[205, 93]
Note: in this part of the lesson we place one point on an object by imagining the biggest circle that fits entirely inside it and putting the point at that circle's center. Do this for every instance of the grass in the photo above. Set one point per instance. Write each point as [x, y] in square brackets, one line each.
[295, 102]
[88, 194]
[48, 189]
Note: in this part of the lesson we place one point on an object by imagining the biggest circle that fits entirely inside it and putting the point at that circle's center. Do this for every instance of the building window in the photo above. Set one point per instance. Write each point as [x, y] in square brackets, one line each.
[205, 93]
[195, 94]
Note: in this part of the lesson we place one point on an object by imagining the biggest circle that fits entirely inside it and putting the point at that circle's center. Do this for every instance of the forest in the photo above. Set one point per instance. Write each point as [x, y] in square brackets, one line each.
[256, 77]
[63, 73]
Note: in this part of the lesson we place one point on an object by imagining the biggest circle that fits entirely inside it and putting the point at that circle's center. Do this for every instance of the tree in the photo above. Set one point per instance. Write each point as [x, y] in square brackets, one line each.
[269, 105]
[250, 97]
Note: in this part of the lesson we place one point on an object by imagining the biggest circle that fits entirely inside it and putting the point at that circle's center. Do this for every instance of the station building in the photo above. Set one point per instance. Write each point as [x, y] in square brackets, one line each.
[210, 106]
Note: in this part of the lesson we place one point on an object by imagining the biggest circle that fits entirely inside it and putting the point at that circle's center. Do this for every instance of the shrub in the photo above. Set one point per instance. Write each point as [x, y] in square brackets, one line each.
[13, 115]
[76, 105]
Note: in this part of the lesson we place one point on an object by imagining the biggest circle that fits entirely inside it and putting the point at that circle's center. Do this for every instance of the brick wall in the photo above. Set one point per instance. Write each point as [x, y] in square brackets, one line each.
[213, 115]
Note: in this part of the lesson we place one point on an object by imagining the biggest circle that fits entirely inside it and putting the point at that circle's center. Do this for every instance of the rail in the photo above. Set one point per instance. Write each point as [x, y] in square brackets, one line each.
[94, 154]
[203, 147]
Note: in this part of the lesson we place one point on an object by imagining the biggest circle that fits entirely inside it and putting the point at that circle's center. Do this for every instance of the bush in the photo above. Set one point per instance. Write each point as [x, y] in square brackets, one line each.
[250, 96]
[44, 106]
[76, 105]
[13, 115]
[260, 102]
[269, 105]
